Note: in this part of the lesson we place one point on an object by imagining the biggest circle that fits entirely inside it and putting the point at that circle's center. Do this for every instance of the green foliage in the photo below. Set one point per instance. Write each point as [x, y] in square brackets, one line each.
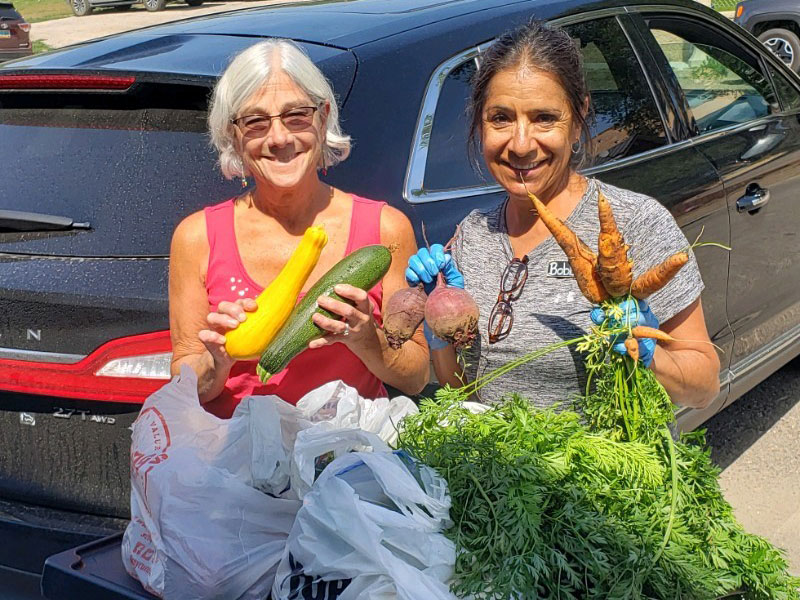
[36, 11]
[724, 4]
[546, 506]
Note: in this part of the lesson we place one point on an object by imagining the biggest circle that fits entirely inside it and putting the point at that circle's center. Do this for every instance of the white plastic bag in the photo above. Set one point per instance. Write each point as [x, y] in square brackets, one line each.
[199, 527]
[339, 405]
[337, 421]
[370, 530]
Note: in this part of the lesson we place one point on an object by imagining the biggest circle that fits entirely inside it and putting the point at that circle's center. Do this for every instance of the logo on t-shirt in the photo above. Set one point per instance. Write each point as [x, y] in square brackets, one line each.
[559, 268]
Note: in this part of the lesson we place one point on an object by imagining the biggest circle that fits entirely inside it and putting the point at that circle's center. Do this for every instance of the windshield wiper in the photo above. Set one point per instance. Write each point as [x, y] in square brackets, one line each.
[15, 220]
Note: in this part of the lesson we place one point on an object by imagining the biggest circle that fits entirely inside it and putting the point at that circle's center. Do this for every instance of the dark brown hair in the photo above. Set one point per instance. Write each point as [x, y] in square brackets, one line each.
[540, 47]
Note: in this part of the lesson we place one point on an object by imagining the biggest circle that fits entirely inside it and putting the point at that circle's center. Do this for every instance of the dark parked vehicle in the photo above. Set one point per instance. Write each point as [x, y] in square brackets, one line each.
[15, 38]
[105, 151]
[81, 8]
[776, 23]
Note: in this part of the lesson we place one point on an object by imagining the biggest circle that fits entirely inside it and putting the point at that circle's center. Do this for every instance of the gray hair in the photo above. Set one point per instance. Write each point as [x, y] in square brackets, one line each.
[249, 72]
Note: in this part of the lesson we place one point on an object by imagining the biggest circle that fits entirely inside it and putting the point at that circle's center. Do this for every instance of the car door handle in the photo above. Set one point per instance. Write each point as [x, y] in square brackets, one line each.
[755, 198]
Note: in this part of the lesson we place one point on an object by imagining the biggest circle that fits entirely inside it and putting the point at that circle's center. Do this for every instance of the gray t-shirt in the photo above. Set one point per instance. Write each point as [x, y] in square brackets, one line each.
[551, 308]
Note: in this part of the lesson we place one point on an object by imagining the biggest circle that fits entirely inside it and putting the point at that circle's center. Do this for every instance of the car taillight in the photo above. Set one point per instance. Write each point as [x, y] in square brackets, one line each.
[66, 82]
[26, 27]
[123, 370]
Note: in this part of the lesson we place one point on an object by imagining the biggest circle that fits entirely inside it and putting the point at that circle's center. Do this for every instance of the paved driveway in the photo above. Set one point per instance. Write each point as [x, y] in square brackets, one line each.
[73, 30]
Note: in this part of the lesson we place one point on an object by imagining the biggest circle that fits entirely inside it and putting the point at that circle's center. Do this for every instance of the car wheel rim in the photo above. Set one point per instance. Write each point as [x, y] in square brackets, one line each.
[781, 48]
[152, 3]
[79, 5]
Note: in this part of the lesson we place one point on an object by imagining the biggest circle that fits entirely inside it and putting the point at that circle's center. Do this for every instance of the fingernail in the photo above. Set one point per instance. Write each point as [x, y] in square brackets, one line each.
[242, 317]
[233, 322]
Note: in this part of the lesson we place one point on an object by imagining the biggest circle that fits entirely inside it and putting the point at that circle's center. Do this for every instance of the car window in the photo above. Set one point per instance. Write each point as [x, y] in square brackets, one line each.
[131, 165]
[723, 84]
[625, 118]
[449, 165]
[8, 12]
[787, 93]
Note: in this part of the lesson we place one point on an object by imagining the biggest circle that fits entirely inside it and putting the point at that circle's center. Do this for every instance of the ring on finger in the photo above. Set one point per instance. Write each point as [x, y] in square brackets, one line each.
[346, 331]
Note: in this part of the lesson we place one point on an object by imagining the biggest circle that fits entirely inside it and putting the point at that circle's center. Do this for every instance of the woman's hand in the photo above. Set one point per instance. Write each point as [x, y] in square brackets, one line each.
[425, 265]
[228, 316]
[633, 313]
[356, 328]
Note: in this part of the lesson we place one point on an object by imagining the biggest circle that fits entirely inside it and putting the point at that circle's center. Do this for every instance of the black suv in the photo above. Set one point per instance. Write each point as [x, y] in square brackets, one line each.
[105, 151]
[776, 23]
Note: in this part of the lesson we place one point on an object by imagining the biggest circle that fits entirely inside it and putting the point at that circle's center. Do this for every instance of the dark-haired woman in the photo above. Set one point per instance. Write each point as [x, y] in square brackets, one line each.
[529, 109]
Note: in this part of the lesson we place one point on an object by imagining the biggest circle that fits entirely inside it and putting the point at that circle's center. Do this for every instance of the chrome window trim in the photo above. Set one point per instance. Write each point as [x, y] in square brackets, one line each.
[42, 357]
[413, 186]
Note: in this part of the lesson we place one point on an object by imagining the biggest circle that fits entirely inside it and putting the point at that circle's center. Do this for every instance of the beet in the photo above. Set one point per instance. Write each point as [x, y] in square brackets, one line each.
[403, 314]
[452, 315]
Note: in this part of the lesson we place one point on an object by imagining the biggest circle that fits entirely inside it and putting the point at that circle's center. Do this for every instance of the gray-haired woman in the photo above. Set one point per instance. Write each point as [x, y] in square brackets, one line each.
[274, 118]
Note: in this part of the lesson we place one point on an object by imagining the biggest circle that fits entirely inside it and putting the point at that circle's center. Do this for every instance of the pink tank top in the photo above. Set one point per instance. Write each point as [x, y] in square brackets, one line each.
[227, 280]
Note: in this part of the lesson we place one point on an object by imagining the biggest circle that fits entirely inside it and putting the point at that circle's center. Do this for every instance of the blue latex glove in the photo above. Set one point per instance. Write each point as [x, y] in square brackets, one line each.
[635, 312]
[425, 265]
[434, 342]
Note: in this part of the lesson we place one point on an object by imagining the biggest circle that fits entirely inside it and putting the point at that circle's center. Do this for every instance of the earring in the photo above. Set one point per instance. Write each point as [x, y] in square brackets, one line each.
[244, 179]
[576, 147]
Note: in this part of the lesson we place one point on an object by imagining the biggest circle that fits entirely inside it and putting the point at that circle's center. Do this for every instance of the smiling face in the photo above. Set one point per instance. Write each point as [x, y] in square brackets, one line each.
[527, 132]
[279, 156]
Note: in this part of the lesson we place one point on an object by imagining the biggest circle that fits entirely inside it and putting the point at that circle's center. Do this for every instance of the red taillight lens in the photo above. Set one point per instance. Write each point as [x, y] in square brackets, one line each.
[66, 82]
[26, 27]
[124, 370]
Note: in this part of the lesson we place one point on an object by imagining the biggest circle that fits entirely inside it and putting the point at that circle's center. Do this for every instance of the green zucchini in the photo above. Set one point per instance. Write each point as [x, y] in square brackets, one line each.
[363, 269]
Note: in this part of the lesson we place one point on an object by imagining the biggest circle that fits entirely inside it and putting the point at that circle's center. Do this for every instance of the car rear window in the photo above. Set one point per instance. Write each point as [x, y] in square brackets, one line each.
[131, 165]
[7, 12]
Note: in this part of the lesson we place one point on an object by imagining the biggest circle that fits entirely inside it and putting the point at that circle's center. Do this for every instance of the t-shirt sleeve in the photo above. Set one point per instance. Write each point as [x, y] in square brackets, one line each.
[653, 236]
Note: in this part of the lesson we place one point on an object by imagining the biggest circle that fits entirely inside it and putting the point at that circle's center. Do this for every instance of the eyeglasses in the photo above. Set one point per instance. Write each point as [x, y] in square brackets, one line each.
[295, 119]
[502, 316]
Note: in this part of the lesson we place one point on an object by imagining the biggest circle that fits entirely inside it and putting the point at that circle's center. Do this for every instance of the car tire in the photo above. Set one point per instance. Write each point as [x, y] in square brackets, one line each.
[155, 5]
[194, 2]
[785, 45]
[80, 8]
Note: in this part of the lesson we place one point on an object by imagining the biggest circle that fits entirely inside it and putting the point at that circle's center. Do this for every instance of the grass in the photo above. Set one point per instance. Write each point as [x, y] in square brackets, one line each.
[724, 4]
[40, 46]
[35, 11]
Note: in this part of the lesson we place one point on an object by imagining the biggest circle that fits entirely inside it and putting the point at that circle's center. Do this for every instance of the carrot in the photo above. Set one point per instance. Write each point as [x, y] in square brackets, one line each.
[654, 279]
[582, 260]
[612, 260]
[632, 346]
[642, 331]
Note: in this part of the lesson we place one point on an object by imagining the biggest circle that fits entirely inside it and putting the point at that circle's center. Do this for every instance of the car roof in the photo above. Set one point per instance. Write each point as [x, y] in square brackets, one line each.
[211, 40]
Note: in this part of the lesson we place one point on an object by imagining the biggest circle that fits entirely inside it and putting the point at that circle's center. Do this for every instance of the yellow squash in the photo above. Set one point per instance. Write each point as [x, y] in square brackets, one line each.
[276, 302]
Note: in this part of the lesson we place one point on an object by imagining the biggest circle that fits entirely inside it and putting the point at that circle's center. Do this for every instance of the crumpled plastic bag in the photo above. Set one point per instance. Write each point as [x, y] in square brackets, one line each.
[370, 529]
[213, 500]
[200, 525]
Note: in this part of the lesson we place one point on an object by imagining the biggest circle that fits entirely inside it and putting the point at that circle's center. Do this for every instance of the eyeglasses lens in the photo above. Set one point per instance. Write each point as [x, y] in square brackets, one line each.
[294, 120]
[511, 283]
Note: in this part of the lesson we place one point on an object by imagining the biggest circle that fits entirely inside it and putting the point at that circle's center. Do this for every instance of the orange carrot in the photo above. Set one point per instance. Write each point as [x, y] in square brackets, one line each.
[654, 279]
[582, 260]
[632, 346]
[612, 260]
[642, 331]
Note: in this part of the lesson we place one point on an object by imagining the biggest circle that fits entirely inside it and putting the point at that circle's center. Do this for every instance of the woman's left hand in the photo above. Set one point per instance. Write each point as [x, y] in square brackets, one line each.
[356, 326]
[633, 313]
